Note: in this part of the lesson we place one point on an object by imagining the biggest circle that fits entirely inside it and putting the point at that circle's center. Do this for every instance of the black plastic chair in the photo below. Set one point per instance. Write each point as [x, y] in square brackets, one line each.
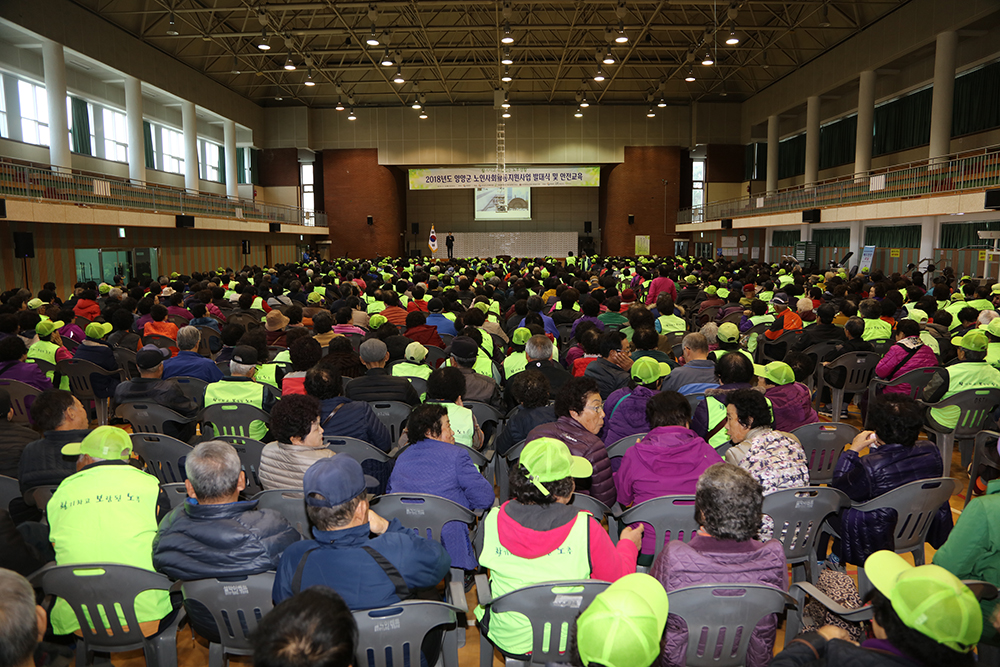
[289, 503]
[860, 367]
[79, 371]
[249, 451]
[817, 351]
[230, 419]
[225, 368]
[976, 406]
[393, 414]
[149, 417]
[162, 455]
[394, 635]
[984, 454]
[237, 604]
[917, 379]
[162, 342]
[126, 362]
[798, 515]
[599, 510]
[21, 397]
[359, 450]
[823, 443]
[9, 490]
[670, 517]
[193, 388]
[176, 493]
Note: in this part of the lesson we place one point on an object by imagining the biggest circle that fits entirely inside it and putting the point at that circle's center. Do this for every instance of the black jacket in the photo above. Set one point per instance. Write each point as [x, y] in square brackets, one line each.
[811, 649]
[378, 385]
[15, 553]
[819, 333]
[42, 461]
[555, 373]
[608, 376]
[521, 424]
[13, 439]
[163, 392]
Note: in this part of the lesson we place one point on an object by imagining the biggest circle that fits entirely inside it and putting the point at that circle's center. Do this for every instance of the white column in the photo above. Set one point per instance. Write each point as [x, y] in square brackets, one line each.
[866, 124]
[136, 140]
[190, 122]
[772, 154]
[806, 232]
[944, 94]
[229, 141]
[812, 140]
[54, 65]
[856, 242]
[929, 230]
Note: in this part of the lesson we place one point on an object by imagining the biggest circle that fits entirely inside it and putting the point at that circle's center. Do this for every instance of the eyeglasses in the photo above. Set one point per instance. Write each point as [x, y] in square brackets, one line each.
[596, 408]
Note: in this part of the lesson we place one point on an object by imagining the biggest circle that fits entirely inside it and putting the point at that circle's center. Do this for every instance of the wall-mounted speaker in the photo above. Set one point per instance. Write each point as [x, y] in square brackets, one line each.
[414, 228]
[184, 221]
[992, 200]
[586, 226]
[631, 219]
[3, 208]
[274, 227]
[810, 215]
[727, 223]
[246, 247]
[24, 245]
[371, 220]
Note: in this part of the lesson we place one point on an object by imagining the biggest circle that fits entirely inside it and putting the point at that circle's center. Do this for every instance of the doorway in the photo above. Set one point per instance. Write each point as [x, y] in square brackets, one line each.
[107, 264]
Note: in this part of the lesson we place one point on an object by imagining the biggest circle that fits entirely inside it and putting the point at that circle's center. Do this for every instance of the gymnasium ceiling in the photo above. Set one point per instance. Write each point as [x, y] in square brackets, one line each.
[449, 52]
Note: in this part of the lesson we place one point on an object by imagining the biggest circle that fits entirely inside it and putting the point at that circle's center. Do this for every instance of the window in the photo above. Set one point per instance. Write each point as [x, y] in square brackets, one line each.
[697, 191]
[170, 149]
[3, 110]
[115, 135]
[308, 192]
[208, 162]
[34, 113]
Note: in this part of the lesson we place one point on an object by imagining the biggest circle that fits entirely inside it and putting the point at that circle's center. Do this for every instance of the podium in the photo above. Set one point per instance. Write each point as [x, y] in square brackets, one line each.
[993, 254]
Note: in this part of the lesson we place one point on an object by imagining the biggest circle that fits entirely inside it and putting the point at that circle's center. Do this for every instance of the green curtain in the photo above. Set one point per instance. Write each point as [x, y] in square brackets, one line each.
[832, 238]
[241, 166]
[977, 101]
[80, 126]
[222, 165]
[906, 236]
[255, 166]
[147, 142]
[837, 142]
[903, 123]
[792, 157]
[785, 237]
[755, 162]
[963, 234]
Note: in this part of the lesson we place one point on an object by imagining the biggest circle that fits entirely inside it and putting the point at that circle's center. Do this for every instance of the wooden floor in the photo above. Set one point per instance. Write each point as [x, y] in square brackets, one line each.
[193, 651]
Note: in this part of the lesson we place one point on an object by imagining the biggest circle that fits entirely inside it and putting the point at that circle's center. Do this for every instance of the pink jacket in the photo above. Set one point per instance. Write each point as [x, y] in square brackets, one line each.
[891, 366]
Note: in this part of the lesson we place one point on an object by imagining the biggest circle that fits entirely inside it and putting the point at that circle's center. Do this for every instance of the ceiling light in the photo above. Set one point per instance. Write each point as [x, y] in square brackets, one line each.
[398, 77]
[600, 75]
[506, 59]
[236, 64]
[584, 103]
[650, 113]
[662, 103]
[824, 16]
[578, 113]
[505, 114]
[506, 78]
[608, 58]
[279, 98]
[171, 30]
[340, 105]
[289, 65]
[351, 115]
[372, 38]
[386, 58]
[416, 104]
[708, 59]
[732, 40]
[262, 42]
[309, 79]
[507, 38]
[622, 37]
[423, 115]
[690, 76]
[506, 103]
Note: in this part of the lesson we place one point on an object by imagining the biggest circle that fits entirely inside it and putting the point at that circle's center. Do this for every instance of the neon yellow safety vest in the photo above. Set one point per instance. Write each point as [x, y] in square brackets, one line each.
[766, 318]
[237, 390]
[992, 353]
[267, 374]
[716, 418]
[462, 423]
[765, 296]
[514, 364]
[450, 316]
[106, 514]
[668, 324]
[483, 365]
[258, 304]
[487, 342]
[930, 341]
[961, 377]
[376, 307]
[46, 351]
[408, 369]
[877, 330]
[571, 560]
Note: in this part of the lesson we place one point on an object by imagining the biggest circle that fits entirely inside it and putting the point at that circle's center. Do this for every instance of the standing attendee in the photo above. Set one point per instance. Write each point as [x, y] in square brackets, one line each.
[449, 243]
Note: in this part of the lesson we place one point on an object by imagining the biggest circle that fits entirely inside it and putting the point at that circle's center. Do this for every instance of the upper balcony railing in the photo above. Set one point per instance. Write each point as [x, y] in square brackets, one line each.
[42, 183]
[972, 170]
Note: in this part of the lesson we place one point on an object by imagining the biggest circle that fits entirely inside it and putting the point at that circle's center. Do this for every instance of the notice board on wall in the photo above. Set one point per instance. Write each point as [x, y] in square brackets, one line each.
[515, 244]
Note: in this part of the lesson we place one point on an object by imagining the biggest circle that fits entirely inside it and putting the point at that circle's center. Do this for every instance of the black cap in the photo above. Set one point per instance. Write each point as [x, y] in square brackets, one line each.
[245, 354]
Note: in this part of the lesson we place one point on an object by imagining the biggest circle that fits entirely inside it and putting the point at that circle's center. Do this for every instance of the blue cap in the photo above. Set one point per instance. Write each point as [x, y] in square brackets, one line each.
[333, 481]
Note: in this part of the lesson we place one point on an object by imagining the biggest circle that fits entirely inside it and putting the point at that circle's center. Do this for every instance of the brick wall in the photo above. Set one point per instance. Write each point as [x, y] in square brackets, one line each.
[279, 167]
[355, 186]
[636, 187]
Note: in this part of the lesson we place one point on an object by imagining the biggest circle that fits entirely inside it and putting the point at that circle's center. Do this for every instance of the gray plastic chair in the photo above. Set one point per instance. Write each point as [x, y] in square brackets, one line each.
[225, 368]
[126, 362]
[917, 379]
[249, 451]
[89, 587]
[509, 460]
[984, 454]
[623, 445]
[434, 356]
[860, 367]
[176, 493]
[208, 336]
[798, 515]
[9, 490]
[230, 419]
[488, 418]
[149, 417]
[193, 388]
[725, 615]
[79, 372]
[162, 455]
[823, 443]
[671, 518]
[39, 496]
[393, 414]
[359, 450]
[817, 351]
[599, 510]
[21, 397]
[976, 406]
[395, 634]
[237, 605]
[419, 384]
[289, 503]
[551, 607]
[162, 342]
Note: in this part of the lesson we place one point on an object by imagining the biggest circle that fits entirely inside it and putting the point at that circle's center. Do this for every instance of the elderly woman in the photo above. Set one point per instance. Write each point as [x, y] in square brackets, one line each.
[532, 389]
[433, 464]
[538, 525]
[727, 506]
[625, 409]
[298, 433]
[908, 353]
[895, 458]
[579, 418]
[773, 458]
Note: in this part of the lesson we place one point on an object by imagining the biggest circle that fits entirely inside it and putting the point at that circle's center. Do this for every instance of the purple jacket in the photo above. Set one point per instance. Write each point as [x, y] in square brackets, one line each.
[667, 462]
[865, 477]
[892, 363]
[582, 442]
[707, 560]
[791, 405]
[625, 413]
[29, 374]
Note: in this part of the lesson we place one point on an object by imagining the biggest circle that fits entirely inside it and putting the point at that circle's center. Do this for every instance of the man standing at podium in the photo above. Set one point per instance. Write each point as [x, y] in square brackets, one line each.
[450, 243]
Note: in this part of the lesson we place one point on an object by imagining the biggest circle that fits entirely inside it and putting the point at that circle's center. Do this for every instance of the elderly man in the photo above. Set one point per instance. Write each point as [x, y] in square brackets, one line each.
[377, 384]
[240, 387]
[611, 370]
[464, 352]
[107, 513]
[62, 419]
[188, 363]
[698, 373]
[367, 571]
[22, 622]
[150, 387]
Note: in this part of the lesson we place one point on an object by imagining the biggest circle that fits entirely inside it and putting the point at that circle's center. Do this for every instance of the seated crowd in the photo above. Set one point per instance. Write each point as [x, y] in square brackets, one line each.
[619, 379]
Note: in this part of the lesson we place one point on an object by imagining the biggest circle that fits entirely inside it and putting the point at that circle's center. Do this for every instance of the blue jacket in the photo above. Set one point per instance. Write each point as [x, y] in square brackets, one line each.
[103, 356]
[442, 323]
[191, 364]
[442, 469]
[550, 325]
[337, 560]
[357, 420]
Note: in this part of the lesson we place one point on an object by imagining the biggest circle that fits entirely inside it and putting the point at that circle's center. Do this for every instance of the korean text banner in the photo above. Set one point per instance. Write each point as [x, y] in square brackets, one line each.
[457, 178]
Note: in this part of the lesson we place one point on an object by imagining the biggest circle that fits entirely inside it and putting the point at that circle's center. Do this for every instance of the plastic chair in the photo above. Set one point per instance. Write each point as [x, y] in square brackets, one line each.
[356, 340]
[817, 351]
[162, 455]
[565, 333]
[21, 397]
[39, 496]
[359, 450]
[193, 388]
[249, 451]
[244, 319]
[881, 346]
[208, 337]
[289, 503]
[79, 372]
[823, 444]
[149, 417]
[984, 454]
[789, 338]
[599, 510]
[92, 588]
[9, 490]
[225, 368]
[489, 419]
[671, 517]
[237, 604]
[860, 367]
[975, 406]
[230, 419]
[798, 514]
[419, 385]
[551, 608]
[755, 336]
[163, 342]
[393, 414]
[446, 339]
[503, 470]
[917, 379]
[126, 362]
[395, 634]
[621, 446]
[176, 493]
[694, 400]
[434, 356]
[725, 616]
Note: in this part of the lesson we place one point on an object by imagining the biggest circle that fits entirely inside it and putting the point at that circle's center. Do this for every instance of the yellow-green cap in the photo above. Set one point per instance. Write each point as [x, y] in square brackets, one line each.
[928, 599]
[995, 289]
[485, 307]
[974, 341]
[916, 315]
[723, 293]
[314, 297]
[46, 327]
[993, 328]
[710, 290]
[728, 332]
[690, 280]
[622, 627]
[647, 370]
[109, 443]
[957, 296]
[520, 335]
[549, 460]
[98, 330]
[35, 304]
[375, 321]
[104, 288]
[723, 280]
[776, 372]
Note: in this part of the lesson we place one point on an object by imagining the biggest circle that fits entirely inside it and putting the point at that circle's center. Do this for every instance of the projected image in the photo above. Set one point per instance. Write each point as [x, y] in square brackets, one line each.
[518, 203]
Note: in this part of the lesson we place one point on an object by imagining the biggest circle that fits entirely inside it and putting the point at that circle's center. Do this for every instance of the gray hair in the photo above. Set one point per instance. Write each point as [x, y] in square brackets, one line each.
[213, 468]
[188, 338]
[115, 293]
[870, 309]
[727, 502]
[18, 622]
[538, 348]
[696, 342]
[240, 369]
